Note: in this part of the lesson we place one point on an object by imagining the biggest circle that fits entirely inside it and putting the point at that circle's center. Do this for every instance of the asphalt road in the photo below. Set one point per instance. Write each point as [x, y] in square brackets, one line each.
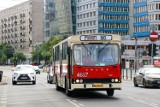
[45, 95]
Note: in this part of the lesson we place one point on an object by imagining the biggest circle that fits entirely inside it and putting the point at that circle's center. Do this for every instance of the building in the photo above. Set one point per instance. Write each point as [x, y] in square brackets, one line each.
[65, 17]
[145, 20]
[103, 16]
[22, 26]
[87, 16]
[146, 17]
[49, 18]
[131, 56]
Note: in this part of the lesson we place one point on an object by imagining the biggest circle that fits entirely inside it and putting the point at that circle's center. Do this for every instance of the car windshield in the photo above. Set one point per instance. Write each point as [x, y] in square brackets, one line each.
[152, 71]
[96, 54]
[19, 68]
[35, 67]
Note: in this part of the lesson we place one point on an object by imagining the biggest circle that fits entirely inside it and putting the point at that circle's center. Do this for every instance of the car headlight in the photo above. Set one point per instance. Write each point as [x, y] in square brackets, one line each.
[15, 74]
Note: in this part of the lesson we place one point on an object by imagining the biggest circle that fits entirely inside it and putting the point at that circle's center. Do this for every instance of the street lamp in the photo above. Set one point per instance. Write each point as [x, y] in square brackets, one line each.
[135, 53]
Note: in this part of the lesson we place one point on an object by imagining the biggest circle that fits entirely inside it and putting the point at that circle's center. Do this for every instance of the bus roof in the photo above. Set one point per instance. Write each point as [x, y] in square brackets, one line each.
[80, 39]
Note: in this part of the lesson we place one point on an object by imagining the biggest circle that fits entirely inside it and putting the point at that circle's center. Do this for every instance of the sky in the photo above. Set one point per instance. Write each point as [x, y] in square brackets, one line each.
[9, 3]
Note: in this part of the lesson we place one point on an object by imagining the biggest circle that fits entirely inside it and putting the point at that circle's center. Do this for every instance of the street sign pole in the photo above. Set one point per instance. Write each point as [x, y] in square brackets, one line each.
[152, 54]
[153, 37]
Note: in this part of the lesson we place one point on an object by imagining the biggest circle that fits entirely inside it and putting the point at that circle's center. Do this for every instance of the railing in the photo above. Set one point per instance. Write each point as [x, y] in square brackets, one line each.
[128, 74]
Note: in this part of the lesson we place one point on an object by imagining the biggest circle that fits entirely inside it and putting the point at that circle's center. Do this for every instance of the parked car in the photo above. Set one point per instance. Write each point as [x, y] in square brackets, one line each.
[24, 73]
[50, 75]
[37, 69]
[148, 77]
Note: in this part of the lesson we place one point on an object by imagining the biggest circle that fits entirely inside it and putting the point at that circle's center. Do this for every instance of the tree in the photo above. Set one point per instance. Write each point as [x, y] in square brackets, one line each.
[19, 57]
[46, 55]
[3, 58]
[6, 52]
[44, 50]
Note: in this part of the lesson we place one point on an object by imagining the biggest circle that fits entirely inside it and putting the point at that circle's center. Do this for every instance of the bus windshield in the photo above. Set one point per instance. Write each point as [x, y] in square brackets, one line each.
[96, 54]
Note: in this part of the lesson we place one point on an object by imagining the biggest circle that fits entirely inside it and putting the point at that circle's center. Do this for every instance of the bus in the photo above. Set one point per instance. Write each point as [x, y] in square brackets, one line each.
[78, 65]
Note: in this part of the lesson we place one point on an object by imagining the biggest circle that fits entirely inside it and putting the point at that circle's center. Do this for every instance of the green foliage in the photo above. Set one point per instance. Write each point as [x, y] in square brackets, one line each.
[6, 52]
[19, 56]
[44, 50]
[7, 49]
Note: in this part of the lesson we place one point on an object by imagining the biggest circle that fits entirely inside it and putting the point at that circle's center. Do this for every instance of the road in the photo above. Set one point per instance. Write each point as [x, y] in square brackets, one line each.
[45, 95]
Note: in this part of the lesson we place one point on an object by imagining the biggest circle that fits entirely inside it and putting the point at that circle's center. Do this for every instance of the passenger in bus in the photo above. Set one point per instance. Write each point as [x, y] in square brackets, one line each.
[87, 61]
[107, 57]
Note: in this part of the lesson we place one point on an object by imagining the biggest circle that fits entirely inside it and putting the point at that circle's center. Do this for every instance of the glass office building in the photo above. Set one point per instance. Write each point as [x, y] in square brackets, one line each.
[146, 17]
[103, 16]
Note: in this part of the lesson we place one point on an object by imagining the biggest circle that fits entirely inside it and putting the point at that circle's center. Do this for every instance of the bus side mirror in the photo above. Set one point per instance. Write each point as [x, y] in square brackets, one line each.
[68, 50]
[122, 49]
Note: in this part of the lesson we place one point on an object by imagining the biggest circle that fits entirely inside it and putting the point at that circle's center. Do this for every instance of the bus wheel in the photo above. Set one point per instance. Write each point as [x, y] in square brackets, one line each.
[110, 92]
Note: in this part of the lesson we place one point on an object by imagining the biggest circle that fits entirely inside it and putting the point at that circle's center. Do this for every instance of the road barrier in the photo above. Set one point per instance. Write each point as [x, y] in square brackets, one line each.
[128, 74]
[4, 80]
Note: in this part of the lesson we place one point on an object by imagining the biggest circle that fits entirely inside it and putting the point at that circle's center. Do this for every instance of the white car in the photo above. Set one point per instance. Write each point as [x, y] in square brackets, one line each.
[24, 73]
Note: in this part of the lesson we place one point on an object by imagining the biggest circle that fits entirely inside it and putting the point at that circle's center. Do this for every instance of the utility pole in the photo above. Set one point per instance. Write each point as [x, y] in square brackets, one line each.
[135, 54]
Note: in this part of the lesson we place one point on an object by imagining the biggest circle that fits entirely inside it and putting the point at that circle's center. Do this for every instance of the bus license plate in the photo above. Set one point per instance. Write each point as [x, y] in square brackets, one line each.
[97, 85]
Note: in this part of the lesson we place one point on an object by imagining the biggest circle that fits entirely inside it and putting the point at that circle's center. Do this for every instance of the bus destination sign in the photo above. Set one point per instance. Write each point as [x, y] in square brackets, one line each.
[95, 37]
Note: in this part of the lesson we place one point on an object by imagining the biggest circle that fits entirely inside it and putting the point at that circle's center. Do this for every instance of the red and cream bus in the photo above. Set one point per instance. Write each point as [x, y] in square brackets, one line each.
[78, 63]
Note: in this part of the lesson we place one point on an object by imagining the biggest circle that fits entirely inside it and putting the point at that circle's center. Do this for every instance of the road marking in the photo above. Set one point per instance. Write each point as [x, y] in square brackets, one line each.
[72, 102]
[144, 102]
[3, 101]
[43, 83]
[81, 104]
[78, 103]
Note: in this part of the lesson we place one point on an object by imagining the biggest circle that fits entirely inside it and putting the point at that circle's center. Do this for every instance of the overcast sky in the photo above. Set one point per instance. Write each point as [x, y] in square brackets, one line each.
[9, 3]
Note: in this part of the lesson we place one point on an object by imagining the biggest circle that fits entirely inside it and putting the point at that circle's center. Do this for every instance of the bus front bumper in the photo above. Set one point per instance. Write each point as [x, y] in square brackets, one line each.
[96, 86]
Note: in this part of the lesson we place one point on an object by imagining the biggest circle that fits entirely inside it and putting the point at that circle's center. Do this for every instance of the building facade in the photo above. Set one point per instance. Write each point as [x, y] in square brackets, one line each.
[146, 17]
[49, 17]
[103, 16]
[65, 17]
[22, 26]
[87, 16]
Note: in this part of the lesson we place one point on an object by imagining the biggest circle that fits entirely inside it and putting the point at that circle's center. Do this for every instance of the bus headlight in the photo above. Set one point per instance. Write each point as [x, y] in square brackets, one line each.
[77, 80]
[116, 80]
[112, 80]
[81, 81]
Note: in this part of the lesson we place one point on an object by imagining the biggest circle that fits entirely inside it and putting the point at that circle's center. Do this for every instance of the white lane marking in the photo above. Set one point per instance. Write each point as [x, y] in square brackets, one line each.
[144, 102]
[78, 103]
[2, 105]
[3, 100]
[81, 104]
[154, 105]
[74, 100]
[73, 103]
[43, 83]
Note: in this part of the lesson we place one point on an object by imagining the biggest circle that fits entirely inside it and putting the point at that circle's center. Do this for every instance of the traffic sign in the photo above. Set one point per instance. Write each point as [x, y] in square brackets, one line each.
[153, 36]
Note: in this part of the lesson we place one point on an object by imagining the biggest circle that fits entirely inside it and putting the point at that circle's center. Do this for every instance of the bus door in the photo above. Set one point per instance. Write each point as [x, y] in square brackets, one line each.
[61, 72]
[69, 69]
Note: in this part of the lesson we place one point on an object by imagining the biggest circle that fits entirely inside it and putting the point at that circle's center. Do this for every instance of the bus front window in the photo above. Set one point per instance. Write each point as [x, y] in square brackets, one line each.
[96, 54]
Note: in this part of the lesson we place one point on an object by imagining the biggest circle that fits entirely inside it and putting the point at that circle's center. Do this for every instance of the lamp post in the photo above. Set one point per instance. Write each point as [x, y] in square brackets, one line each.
[135, 54]
[37, 54]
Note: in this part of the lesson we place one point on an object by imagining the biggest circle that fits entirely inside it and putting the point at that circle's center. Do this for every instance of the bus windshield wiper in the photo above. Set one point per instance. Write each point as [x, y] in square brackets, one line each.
[103, 48]
[87, 49]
